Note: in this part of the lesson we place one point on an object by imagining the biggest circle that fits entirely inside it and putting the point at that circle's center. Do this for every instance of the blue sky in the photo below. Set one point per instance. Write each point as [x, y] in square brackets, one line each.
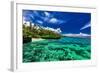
[68, 22]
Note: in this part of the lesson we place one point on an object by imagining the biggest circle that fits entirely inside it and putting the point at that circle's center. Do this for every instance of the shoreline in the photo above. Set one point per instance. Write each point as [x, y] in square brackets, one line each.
[37, 39]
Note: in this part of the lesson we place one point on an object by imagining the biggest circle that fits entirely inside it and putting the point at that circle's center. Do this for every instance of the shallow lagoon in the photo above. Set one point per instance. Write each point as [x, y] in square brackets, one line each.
[66, 48]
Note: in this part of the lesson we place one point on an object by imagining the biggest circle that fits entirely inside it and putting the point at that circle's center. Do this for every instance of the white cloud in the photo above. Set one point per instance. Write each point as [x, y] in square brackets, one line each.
[56, 21]
[58, 30]
[32, 16]
[46, 19]
[39, 21]
[36, 13]
[53, 20]
[47, 14]
[77, 35]
[86, 26]
[84, 34]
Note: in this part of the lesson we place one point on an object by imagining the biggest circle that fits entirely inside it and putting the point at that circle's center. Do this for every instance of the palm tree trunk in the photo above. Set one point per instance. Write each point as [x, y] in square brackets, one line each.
[30, 26]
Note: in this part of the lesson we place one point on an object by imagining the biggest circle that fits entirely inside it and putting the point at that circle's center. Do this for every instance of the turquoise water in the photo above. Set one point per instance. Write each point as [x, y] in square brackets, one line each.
[66, 48]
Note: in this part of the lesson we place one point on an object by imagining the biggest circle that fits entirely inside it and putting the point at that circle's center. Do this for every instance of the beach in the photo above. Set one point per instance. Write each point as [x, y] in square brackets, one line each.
[37, 39]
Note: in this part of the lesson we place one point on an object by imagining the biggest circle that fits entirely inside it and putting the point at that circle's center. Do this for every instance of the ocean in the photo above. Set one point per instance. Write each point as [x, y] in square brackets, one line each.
[64, 49]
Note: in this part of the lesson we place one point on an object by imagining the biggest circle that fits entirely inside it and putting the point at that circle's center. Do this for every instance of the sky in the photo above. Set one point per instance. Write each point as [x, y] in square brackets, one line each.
[68, 22]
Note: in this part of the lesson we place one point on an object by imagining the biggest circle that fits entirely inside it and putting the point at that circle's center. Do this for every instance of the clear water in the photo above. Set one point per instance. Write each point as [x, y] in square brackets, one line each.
[66, 48]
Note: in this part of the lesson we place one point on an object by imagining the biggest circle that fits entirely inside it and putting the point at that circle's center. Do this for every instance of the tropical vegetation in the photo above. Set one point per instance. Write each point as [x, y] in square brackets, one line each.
[33, 32]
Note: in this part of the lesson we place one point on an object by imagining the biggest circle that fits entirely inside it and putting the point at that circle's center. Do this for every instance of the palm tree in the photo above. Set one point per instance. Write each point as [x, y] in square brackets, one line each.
[30, 25]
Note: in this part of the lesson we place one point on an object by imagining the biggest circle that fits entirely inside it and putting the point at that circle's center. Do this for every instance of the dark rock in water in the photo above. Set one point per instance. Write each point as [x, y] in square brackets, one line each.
[27, 39]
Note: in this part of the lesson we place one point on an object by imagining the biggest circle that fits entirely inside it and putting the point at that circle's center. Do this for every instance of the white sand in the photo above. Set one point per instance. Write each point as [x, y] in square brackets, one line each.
[37, 39]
